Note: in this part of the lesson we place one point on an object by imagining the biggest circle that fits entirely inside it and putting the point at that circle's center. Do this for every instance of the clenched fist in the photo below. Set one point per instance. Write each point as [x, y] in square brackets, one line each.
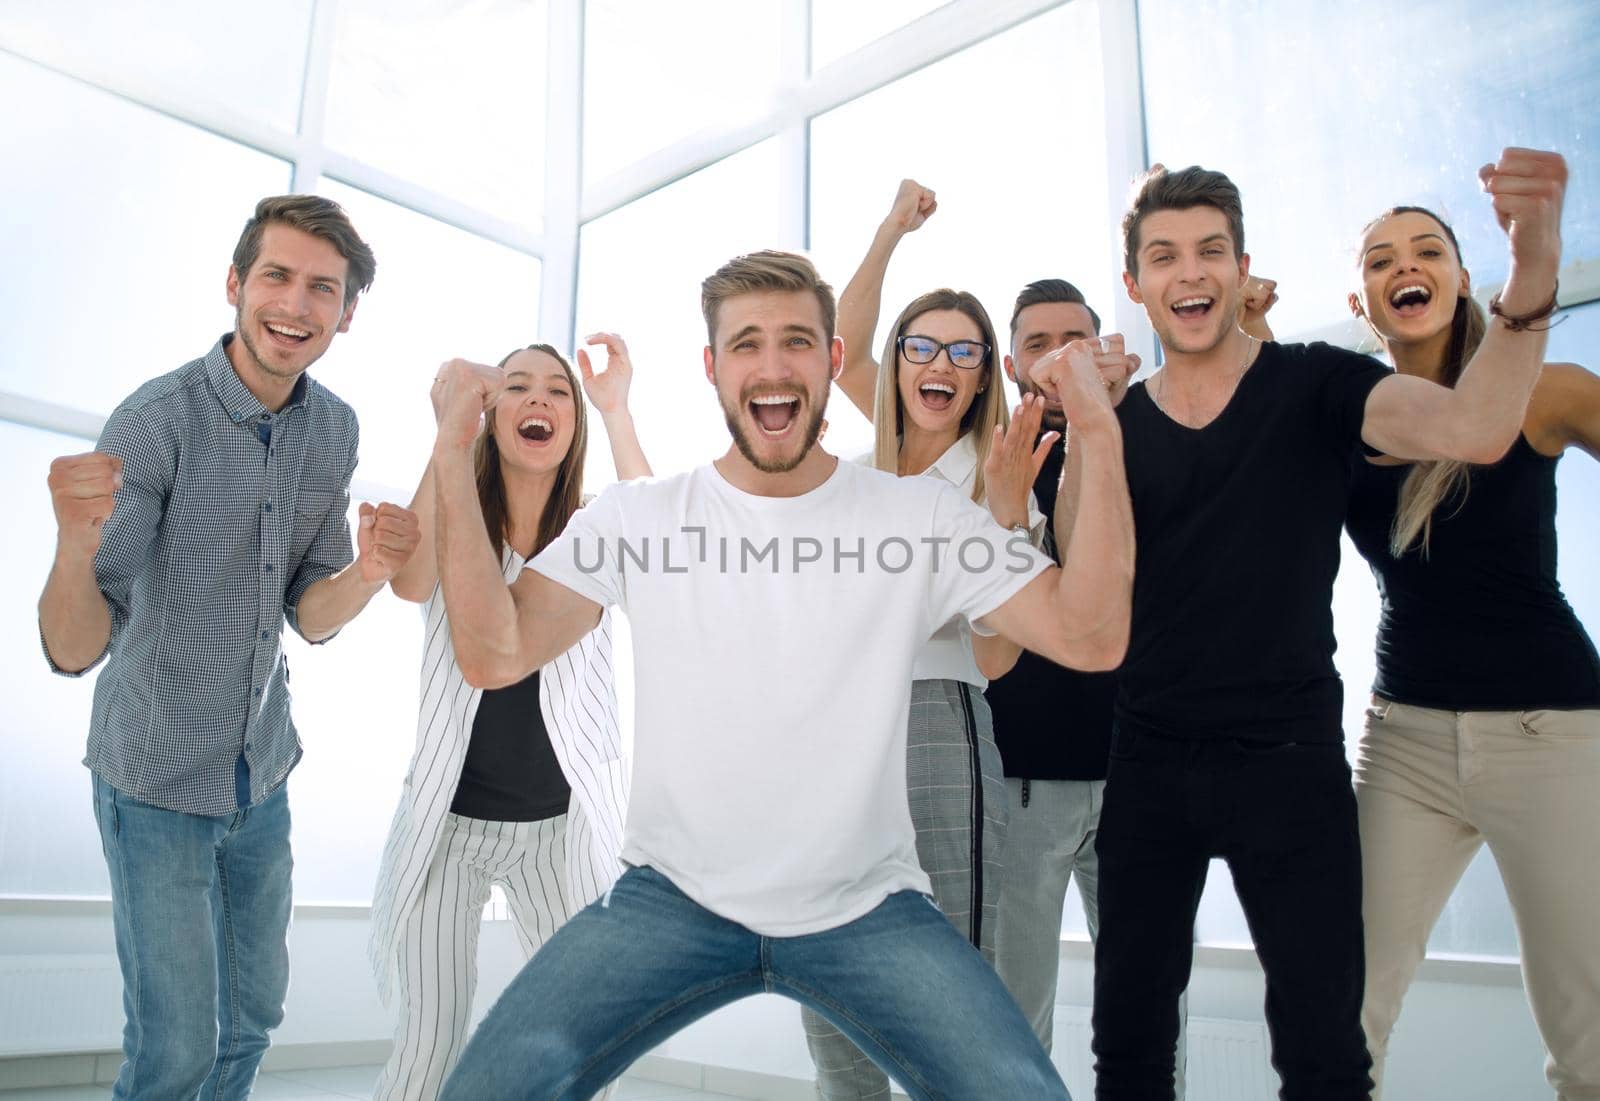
[82, 489]
[1528, 187]
[913, 205]
[386, 536]
[1088, 377]
[462, 391]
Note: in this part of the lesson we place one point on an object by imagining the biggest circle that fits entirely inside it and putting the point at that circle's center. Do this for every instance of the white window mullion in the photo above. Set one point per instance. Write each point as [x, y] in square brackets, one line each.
[314, 94]
[147, 90]
[794, 140]
[1125, 154]
[563, 173]
[944, 31]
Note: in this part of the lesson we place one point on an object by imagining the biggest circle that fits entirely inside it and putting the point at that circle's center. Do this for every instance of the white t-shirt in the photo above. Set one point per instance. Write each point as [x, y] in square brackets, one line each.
[948, 654]
[773, 643]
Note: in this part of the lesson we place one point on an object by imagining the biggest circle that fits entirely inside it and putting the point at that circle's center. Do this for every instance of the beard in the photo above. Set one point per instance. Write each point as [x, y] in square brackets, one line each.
[742, 439]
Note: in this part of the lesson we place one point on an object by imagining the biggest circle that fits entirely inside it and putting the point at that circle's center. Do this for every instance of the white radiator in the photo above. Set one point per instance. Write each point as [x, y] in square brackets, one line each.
[1228, 1060]
[65, 1003]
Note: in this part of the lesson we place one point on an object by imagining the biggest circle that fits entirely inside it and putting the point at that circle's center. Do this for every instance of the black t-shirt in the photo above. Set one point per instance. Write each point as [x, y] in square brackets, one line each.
[1238, 543]
[1050, 722]
[511, 773]
[1480, 624]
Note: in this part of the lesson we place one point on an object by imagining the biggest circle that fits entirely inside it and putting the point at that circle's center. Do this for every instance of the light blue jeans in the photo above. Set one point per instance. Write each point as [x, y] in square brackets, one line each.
[645, 961]
[200, 905]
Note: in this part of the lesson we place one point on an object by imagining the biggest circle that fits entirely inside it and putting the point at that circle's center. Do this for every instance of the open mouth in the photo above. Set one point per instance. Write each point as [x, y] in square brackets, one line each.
[774, 414]
[1410, 300]
[937, 396]
[286, 335]
[536, 429]
[1192, 309]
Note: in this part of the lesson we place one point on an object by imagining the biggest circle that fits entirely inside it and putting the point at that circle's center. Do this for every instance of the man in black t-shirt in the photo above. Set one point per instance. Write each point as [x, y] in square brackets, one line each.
[1227, 737]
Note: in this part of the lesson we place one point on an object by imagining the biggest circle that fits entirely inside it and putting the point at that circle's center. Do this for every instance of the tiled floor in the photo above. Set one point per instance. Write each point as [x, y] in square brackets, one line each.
[343, 1083]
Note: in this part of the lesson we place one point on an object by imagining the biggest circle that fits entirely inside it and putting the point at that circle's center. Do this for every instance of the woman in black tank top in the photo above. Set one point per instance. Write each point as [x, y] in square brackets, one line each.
[1485, 718]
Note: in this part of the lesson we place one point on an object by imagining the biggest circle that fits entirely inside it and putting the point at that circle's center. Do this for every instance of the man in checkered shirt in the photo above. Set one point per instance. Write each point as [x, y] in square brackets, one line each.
[213, 509]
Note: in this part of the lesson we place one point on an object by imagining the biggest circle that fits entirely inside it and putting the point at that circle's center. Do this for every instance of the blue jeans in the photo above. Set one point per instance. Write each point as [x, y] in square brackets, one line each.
[645, 961]
[200, 905]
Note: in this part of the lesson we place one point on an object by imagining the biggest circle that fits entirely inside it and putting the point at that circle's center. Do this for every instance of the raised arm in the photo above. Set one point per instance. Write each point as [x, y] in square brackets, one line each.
[1478, 420]
[1009, 473]
[1078, 615]
[608, 393]
[500, 633]
[862, 298]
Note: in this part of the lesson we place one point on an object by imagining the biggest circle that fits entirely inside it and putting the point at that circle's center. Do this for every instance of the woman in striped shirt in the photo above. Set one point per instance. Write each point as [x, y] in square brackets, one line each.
[523, 786]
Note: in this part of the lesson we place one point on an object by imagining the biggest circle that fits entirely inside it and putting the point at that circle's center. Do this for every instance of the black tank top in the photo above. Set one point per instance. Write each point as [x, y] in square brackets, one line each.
[511, 773]
[1481, 623]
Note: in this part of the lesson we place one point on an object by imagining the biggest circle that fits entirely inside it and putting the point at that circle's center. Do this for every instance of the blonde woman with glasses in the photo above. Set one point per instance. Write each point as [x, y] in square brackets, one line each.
[939, 411]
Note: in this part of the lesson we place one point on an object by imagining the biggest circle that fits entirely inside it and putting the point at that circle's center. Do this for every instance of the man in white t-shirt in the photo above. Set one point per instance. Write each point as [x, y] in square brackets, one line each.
[776, 597]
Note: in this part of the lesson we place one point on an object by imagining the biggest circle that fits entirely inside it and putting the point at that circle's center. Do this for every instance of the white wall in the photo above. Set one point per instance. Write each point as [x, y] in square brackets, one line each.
[1466, 1033]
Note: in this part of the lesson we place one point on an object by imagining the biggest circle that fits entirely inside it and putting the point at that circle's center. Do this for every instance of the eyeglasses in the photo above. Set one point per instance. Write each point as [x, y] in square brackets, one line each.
[966, 354]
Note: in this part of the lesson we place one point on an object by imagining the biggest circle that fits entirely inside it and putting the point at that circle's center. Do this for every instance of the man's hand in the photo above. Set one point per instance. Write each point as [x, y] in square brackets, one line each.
[81, 491]
[386, 535]
[1528, 187]
[1260, 295]
[608, 387]
[1087, 377]
[1014, 462]
[913, 205]
[462, 391]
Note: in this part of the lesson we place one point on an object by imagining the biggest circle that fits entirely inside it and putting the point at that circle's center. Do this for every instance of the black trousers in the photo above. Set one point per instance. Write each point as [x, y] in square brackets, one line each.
[1283, 816]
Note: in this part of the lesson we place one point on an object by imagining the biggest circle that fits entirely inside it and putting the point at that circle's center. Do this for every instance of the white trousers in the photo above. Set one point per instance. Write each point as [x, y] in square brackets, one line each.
[1431, 787]
[438, 955]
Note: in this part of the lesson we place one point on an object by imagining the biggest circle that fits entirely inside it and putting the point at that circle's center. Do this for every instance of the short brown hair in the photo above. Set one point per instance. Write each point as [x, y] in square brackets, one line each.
[319, 217]
[1184, 189]
[1041, 291]
[768, 270]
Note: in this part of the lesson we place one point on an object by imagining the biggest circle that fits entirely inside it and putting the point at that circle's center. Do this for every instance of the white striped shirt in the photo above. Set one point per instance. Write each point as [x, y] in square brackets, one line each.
[577, 696]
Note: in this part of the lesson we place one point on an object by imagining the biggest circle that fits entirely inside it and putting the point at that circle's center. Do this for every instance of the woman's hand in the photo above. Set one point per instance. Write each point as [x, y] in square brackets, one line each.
[1014, 462]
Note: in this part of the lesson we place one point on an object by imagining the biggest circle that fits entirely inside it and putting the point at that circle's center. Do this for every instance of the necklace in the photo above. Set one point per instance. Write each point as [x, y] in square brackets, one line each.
[1244, 365]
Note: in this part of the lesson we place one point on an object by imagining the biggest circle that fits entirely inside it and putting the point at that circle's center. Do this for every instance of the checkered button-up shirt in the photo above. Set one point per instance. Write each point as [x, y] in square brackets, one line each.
[227, 514]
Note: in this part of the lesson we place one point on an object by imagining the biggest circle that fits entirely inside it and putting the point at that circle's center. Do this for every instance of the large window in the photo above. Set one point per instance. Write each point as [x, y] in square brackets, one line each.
[640, 276]
[540, 169]
[429, 121]
[48, 841]
[118, 233]
[440, 294]
[246, 58]
[448, 96]
[840, 26]
[1327, 117]
[1013, 145]
[656, 73]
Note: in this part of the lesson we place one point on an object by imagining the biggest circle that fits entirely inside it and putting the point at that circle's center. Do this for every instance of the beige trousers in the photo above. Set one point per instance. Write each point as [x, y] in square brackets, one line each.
[1431, 787]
